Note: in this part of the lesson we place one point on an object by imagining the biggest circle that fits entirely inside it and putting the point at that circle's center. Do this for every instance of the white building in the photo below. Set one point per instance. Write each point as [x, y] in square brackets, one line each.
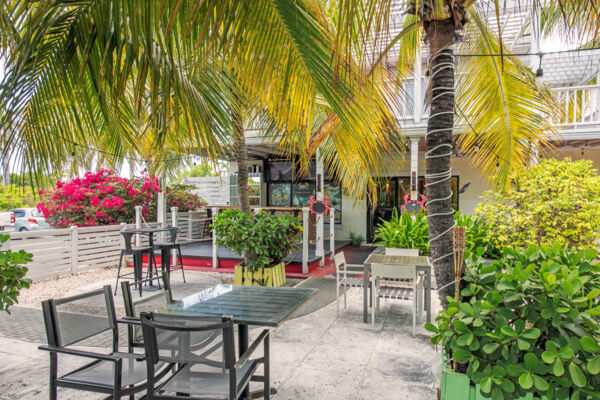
[572, 75]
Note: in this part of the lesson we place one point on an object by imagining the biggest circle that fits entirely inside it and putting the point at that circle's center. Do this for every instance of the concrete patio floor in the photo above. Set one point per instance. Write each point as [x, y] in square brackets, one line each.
[316, 356]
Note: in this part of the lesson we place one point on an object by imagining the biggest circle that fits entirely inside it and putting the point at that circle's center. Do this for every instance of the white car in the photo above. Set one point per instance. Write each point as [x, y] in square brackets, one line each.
[7, 221]
[29, 219]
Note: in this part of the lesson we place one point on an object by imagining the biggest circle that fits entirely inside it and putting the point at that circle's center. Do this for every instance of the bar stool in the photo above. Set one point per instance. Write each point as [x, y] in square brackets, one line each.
[165, 252]
[137, 252]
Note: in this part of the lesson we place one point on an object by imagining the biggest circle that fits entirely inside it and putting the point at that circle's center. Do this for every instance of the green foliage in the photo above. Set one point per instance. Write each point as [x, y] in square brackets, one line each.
[12, 274]
[267, 238]
[477, 234]
[200, 170]
[411, 232]
[529, 323]
[13, 196]
[180, 195]
[555, 201]
[356, 239]
[404, 231]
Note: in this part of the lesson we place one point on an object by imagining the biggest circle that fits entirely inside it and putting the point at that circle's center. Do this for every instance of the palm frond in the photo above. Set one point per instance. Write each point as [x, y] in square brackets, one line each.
[502, 112]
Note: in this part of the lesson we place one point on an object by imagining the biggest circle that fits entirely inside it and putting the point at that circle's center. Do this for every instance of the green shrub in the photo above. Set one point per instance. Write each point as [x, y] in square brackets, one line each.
[356, 239]
[13, 196]
[529, 323]
[12, 274]
[404, 231]
[267, 238]
[477, 234]
[555, 201]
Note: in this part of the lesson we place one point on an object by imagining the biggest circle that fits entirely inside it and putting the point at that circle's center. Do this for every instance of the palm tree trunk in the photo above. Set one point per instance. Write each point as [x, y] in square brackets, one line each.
[241, 156]
[439, 150]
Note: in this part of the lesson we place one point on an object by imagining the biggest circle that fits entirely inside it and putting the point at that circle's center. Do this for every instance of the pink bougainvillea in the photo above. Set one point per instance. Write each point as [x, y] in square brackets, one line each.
[104, 198]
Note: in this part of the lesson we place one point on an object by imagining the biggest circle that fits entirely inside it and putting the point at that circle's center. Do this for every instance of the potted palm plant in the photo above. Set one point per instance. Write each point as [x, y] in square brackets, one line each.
[263, 239]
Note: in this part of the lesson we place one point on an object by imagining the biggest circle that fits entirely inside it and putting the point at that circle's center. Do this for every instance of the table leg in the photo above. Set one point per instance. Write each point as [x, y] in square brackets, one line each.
[137, 270]
[365, 289]
[242, 347]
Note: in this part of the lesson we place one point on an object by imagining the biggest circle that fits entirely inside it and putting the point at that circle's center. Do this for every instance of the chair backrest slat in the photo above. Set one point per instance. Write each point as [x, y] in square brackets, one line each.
[387, 271]
[391, 251]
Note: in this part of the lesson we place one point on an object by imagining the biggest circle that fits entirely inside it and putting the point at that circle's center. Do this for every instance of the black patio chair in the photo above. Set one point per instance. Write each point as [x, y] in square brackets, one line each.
[193, 379]
[138, 253]
[148, 303]
[165, 252]
[79, 321]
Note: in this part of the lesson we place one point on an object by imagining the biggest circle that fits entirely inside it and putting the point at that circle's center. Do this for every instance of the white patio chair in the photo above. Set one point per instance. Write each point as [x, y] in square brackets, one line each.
[381, 273]
[342, 270]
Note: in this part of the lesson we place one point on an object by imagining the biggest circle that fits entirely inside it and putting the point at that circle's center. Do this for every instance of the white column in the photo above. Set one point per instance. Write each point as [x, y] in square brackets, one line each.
[332, 231]
[305, 226]
[215, 254]
[414, 168]
[138, 223]
[161, 206]
[320, 249]
[417, 89]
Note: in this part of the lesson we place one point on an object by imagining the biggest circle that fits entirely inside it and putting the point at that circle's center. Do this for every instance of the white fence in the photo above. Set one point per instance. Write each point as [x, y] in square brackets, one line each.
[58, 252]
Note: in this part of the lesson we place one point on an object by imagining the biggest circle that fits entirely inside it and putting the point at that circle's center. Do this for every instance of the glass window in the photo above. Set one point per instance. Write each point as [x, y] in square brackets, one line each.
[254, 189]
[36, 213]
[280, 171]
[301, 192]
[18, 213]
[280, 194]
[334, 192]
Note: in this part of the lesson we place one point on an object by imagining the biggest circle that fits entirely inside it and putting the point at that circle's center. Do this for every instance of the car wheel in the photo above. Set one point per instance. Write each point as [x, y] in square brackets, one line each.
[23, 229]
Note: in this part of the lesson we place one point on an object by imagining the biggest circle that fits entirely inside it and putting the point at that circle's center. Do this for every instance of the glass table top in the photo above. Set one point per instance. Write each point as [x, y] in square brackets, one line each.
[251, 305]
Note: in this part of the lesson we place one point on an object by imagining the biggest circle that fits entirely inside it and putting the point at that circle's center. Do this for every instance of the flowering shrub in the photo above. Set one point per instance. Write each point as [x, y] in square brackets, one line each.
[100, 198]
[179, 196]
[103, 198]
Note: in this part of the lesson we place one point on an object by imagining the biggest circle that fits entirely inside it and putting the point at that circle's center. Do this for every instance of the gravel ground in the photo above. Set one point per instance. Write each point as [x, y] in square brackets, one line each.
[59, 287]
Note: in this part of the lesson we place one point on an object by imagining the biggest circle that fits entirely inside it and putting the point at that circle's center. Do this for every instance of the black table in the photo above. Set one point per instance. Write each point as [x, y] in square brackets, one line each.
[248, 305]
[420, 262]
[150, 232]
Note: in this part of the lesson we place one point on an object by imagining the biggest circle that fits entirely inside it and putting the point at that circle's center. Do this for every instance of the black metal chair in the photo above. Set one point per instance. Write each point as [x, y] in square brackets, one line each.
[138, 253]
[148, 303]
[192, 379]
[165, 252]
[80, 321]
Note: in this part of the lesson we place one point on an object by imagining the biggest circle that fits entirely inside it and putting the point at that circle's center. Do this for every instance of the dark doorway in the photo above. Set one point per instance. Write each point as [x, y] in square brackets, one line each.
[390, 196]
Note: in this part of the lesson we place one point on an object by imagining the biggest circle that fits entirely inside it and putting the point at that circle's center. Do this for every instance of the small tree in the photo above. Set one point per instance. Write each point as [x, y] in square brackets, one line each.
[555, 201]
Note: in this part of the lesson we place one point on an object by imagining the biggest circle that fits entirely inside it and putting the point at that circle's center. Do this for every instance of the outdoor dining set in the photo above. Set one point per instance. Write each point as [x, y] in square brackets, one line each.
[186, 348]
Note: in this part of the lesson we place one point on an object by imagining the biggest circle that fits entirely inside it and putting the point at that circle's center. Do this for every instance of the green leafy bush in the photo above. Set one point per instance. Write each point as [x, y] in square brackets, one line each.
[529, 323]
[13, 196]
[412, 232]
[555, 201]
[12, 274]
[267, 238]
[477, 234]
[356, 239]
[404, 231]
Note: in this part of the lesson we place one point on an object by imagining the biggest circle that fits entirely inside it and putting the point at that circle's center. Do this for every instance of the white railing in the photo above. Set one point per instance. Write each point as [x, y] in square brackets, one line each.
[581, 106]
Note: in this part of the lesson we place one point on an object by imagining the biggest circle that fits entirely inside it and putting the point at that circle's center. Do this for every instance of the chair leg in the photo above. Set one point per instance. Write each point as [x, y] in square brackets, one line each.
[53, 375]
[180, 262]
[337, 298]
[373, 309]
[118, 273]
[345, 298]
[155, 267]
[137, 270]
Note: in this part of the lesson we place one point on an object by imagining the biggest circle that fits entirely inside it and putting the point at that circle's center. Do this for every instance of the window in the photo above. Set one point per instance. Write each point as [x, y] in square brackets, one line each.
[254, 189]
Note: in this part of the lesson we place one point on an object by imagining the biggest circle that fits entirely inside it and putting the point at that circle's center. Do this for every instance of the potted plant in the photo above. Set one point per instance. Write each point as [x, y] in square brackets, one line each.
[263, 239]
[526, 326]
